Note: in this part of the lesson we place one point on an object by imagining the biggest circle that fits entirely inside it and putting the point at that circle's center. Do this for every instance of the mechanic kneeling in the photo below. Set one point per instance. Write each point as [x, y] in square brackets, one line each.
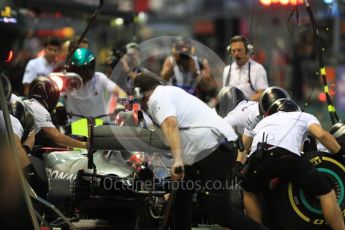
[275, 153]
[43, 97]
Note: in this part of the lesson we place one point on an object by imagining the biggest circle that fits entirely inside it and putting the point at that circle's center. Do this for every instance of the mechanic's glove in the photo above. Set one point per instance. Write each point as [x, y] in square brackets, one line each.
[177, 171]
[340, 155]
[236, 171]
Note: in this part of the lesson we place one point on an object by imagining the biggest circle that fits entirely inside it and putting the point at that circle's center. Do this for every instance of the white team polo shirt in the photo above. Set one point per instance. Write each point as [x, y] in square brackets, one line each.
[16, 126]
[89, 100]
[37, 67]
[237, 118]
[201, 129]
[239, 77]
[42, 118]
[254, 117]
[284, 129]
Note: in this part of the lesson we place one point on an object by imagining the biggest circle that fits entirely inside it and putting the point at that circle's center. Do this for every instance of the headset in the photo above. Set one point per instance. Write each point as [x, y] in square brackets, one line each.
[239, 38]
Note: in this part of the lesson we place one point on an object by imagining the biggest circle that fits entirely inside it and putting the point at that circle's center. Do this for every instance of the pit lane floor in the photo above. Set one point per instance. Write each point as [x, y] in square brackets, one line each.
[102, 225]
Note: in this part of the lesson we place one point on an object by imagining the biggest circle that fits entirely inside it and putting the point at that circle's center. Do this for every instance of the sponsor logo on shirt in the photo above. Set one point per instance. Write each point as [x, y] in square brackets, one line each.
[155, 106]
[48, 118]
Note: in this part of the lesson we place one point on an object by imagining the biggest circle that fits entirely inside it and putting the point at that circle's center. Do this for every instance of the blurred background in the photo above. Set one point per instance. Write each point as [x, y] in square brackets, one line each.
[279, 30]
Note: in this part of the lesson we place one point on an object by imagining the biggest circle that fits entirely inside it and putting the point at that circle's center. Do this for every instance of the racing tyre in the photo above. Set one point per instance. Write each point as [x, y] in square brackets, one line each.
[296, 210]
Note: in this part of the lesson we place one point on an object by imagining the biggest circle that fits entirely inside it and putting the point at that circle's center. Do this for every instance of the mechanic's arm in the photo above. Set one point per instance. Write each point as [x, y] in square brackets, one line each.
[61, 139]
[30, 140]
[172, 135]
[24, 160]
[167, 69]
[119, 92]
[247, 142]
[325, 138]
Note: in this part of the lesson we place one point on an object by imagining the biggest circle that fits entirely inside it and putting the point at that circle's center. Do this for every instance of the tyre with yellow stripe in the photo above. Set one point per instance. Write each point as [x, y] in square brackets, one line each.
[294, 209]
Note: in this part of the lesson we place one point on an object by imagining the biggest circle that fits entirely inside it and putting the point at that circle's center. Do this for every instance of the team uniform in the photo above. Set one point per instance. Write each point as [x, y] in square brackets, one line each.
[90, 100]
[204, 154]
[241, 115]
[42, 118]
[247, 81]
[284, 133]
[184, 79]
[172, 101]
[37, 67]
[16, 126]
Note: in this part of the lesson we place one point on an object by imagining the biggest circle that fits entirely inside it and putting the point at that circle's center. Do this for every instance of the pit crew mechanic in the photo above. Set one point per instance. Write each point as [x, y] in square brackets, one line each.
[19, 117]
[197, 137]
[234, 107]
[243, 116]
[284, 143]
[43, 97]
[246, 74]
[89, 100]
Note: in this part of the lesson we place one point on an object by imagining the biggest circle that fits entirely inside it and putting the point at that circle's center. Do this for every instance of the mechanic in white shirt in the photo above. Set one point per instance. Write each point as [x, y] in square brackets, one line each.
[19, 117]
[197, 137]
[89, 100]
[42, 66]
[237, 111]
[244, 73]
[43, 97]
[234, 107]
[243, 118]
[283, 131]
[268, 97]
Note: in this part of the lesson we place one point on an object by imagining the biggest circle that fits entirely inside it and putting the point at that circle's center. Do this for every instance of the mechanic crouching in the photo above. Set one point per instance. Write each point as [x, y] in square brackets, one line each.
[276, 147]
[43, 97]
[201, 144]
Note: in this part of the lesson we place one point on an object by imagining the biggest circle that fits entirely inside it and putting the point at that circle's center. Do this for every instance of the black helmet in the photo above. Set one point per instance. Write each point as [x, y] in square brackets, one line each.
[283, 104]
[83, 63]
[227, 99]
[7, 86]
[46, 91]
[338, 129]
[20, 110]
[146, 80]
[269, 96]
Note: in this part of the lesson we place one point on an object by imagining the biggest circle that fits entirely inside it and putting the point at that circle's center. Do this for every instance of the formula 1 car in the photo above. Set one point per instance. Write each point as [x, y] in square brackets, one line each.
[127, 181]
[120, 178]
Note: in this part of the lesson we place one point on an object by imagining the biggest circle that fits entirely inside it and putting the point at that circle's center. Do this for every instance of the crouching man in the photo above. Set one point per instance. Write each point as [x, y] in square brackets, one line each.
[283, 131]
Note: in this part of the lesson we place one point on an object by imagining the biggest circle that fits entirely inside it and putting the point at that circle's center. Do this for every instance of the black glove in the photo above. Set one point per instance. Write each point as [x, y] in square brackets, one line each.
[236, 171]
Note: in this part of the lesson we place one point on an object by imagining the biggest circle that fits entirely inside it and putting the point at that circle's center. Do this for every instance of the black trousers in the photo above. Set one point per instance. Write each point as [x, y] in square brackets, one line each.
[211, 174]
[281, 163]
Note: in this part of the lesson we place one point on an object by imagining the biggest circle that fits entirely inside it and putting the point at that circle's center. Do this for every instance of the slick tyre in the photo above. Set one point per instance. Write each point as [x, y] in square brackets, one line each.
[296, 210]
